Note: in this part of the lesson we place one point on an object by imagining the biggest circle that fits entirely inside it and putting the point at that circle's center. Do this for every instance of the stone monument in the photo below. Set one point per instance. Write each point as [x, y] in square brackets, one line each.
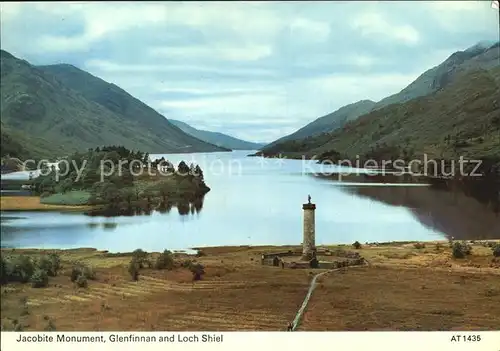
[308, 243]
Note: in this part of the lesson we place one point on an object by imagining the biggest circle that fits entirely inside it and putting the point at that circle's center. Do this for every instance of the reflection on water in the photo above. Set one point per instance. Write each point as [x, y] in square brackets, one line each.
[466, 208]
[184, 208]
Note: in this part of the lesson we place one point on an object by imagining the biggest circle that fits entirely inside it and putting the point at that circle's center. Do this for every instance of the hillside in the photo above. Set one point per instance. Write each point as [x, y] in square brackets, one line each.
[479, 56]
[63, 113]
[461, 119]
[219, 139]
[331, 121]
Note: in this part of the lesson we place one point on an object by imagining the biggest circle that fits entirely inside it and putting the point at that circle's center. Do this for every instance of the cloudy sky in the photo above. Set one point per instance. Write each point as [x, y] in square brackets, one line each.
[256, 70]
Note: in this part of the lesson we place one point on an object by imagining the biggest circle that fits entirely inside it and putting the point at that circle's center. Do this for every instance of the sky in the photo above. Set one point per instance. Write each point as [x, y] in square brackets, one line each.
[254, 70]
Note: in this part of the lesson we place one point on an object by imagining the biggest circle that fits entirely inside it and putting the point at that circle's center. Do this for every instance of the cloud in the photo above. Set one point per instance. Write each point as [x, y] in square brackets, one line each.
[104, 66]
[373, 24]
[253, 69]
[9, 10]
[231, 52]
[311, 30]
[462, 16]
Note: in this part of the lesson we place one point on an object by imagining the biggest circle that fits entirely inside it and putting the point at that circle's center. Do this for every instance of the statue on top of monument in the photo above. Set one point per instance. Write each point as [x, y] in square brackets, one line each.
[309, 198]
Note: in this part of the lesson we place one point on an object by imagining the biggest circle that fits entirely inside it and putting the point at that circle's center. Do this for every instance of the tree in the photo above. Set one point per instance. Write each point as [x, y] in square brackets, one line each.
[110, 193]
[192, 169]
[128, 195]
[198, 172]
[183, 169]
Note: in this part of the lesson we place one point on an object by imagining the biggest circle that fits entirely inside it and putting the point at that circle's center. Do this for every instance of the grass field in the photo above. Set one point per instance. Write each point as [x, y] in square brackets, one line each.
[70, 198]
[404, 288]
[32, 203]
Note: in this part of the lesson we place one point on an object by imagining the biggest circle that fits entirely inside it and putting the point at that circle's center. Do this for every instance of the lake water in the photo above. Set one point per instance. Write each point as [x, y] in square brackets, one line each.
[253, 201]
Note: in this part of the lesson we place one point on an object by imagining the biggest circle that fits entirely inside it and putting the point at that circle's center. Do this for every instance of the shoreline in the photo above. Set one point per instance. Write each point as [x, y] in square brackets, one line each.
[33, 204]
[233, 248]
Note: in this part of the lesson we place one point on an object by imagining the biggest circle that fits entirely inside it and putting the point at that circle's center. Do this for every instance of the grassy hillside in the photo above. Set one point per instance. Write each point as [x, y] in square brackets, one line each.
[461, 119]
[216, 138]
[47, 115]
[331, 121]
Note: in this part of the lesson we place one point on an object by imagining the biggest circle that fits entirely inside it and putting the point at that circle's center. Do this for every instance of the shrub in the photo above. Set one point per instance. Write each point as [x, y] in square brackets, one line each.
[50, 326]
[81, 281]
[198, 271]
[419, 246]
[467, 248]
[460, 249]
[56, 263]
[356, 245]
[451, 242]
[4, 277]
[88, 272]
[147, 262]
[438, 246]
[165, 260]
[186, 264]
[24, 303]
[82, 270]
[50, 264]
[496, 250]
[314, 263]
[45, 264]
[75, 273]
[39, 279]
[200, 253]
[133, 269]
[21, 269]
[140, 257]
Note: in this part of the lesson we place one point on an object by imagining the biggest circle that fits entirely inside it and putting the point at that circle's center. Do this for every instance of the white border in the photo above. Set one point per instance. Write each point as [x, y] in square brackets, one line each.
[263, 341]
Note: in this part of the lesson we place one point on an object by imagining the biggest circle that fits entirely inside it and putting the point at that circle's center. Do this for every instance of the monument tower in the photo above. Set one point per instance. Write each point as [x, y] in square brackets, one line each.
[308, 243]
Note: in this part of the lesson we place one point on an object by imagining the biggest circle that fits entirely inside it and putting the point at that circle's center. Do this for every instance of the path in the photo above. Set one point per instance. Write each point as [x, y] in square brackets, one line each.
[312, 286]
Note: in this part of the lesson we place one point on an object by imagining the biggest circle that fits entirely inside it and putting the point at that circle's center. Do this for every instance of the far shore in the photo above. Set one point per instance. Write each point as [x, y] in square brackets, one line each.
[32, 203]
[220, 249]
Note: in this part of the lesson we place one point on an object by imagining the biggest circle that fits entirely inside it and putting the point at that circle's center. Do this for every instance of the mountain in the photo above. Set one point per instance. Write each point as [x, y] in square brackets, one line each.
[55, 110]
[331, 121]
[216, 138]
[483, 55]
[480, 56]
[462, 119]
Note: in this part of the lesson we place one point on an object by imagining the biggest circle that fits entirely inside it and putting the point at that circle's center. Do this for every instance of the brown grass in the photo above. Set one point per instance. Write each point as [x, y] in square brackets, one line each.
[405, 288]
[32, 203]
[388, 298]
